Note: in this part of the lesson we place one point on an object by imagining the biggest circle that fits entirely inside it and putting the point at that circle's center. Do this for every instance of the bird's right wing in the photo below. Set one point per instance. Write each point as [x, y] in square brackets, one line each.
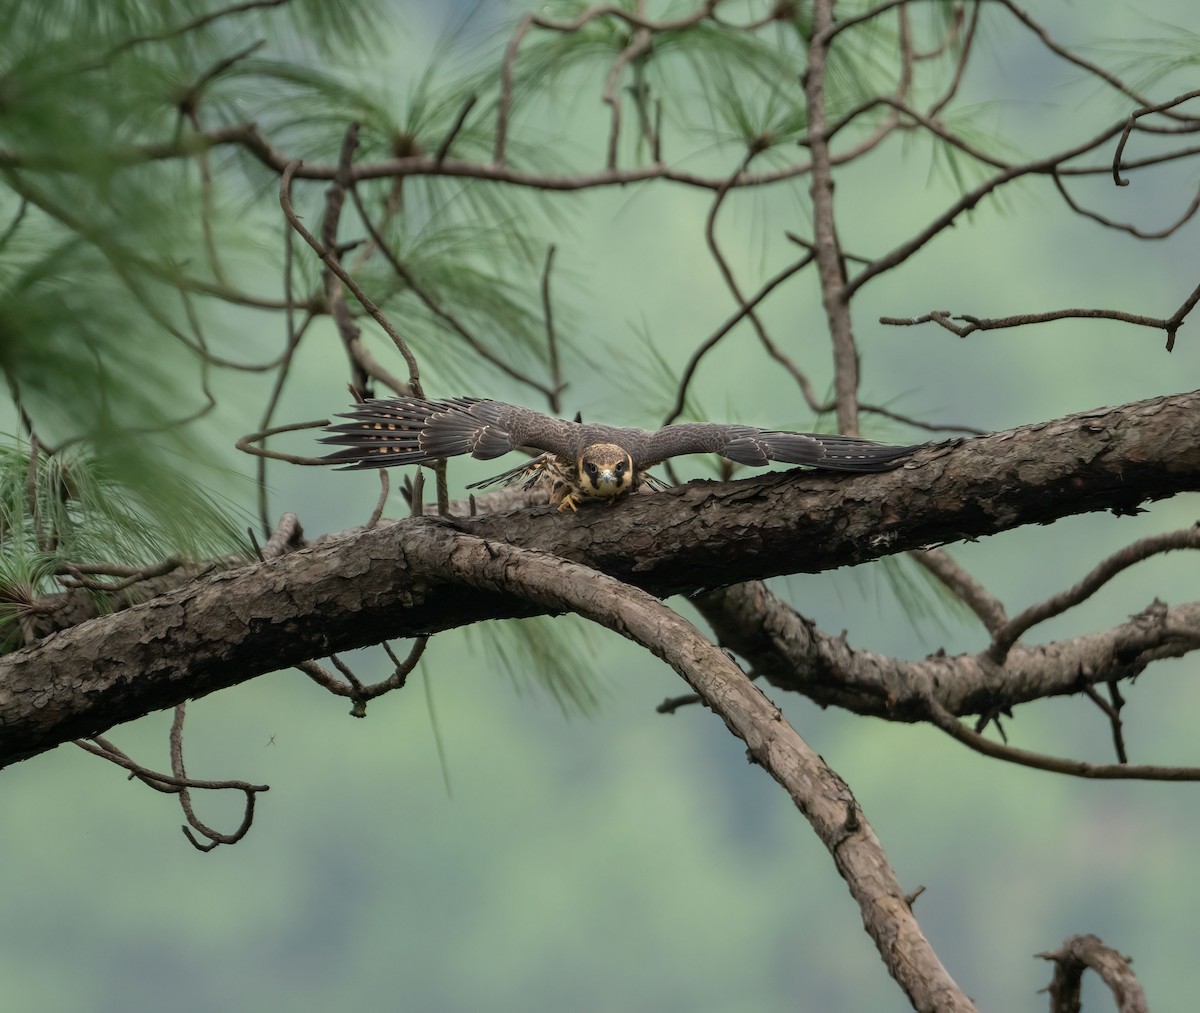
[385, 433]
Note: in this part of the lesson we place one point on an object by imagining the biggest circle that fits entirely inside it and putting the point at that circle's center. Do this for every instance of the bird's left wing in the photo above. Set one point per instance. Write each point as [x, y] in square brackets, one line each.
[385, 433]
[747, 445]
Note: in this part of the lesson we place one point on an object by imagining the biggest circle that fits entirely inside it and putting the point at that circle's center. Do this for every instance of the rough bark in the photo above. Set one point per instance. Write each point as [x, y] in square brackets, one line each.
[792, 653]
[362, 588]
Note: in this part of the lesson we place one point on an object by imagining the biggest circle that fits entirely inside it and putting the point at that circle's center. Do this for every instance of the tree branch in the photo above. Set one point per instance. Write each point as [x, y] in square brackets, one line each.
[554, 584]
[790, 652]
[1074, 957]
[358, 589]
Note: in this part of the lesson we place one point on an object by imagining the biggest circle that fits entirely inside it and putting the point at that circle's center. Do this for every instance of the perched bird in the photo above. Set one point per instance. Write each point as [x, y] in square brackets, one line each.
[578, 461]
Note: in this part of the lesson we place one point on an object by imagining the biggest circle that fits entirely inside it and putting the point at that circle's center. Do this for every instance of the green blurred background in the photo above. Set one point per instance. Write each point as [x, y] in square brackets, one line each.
[623, 860]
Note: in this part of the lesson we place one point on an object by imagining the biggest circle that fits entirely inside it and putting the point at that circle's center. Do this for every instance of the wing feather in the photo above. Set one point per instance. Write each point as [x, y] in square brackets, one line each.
[383, 433]
[758, 447]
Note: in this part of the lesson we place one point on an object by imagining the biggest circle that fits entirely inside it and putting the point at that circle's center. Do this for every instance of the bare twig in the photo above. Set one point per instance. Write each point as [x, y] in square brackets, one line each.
[1112, 710]
[1075, 956]
[827, 245]
[443, 149]
[246, 444]
[948, 723]
[556, 383]
[1136, 115]
[745, 309]
[1132, 230]
[377, 513]
[639, 44]
[358, 692]
[330, 261]
[131, 574]
[747, 306]
[1101, 574]
[951, 573]
[972, 324]
[178, 783]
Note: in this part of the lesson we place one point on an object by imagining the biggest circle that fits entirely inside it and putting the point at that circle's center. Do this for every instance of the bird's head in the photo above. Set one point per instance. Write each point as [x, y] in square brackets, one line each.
[604, 469]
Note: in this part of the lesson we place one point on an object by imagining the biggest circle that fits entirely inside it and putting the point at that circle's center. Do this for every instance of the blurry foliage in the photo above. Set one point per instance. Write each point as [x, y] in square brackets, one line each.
[554, 654]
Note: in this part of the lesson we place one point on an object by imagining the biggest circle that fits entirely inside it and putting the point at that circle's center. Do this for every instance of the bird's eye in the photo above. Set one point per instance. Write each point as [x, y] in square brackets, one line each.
[591, 468]
[620, 468]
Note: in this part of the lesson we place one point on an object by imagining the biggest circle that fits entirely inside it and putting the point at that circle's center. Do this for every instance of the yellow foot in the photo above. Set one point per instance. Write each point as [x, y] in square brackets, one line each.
[569, 502]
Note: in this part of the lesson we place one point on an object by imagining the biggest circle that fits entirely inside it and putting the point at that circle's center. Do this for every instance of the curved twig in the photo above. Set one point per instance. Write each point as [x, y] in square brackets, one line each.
[178, 783]
[246, 443]
[1076, 955]
[948, 723]
[1101, 574]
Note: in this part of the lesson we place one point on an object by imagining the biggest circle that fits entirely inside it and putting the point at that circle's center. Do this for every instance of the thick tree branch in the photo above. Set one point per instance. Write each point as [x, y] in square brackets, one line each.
[790, 652]
[360, 589]
[554, 584]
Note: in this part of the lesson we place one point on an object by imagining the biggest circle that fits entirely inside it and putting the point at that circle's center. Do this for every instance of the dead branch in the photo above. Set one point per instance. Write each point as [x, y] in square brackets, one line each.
[1075, 956]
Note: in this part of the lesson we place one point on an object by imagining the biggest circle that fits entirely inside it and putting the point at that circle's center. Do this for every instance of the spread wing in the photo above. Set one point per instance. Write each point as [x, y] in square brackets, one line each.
[385, 433]
[747, 445]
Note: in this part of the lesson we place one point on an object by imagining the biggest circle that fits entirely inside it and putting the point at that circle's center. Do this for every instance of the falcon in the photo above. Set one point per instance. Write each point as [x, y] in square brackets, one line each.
[577, 461]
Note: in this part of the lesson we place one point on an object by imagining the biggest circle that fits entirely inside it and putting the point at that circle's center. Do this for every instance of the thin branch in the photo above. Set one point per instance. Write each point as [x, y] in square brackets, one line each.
[294, 335]
[1101, 574]
[246, 444]
[947, 722]
[835, 293]
[1170, 325]
[377, 513]
[131, 574]
[434, 307]
[358, 692]
[1112, 710]
[178, 783]
[954, 576]
[443, 149]
[746, 307]
[556, 382]
[214, 837]
[330, 261]
[1136, 115]
[639, 44]
[504, 104]
[1132, 230]
[1076, 955]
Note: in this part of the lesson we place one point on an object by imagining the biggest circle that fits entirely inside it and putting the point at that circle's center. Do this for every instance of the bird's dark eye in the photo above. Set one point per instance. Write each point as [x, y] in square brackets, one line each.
[591, 468]
[620, 468]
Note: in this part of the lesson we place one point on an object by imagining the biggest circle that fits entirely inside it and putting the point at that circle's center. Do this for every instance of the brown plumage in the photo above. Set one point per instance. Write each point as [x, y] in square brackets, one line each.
[579, 460]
